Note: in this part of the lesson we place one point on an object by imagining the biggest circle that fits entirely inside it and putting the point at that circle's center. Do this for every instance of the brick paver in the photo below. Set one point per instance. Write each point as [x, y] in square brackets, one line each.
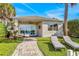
[28, 48]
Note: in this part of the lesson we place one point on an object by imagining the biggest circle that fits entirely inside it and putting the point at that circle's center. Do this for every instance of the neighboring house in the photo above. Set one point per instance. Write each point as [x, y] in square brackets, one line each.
[44, 27]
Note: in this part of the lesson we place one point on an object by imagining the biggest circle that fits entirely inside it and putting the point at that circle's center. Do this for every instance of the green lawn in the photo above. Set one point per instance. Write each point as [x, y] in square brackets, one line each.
[7, 49]
[48, 50]
[7, 46]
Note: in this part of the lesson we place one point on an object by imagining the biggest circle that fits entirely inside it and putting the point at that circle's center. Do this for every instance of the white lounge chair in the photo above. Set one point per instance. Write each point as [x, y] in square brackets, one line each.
[56, 43]
[68, 40]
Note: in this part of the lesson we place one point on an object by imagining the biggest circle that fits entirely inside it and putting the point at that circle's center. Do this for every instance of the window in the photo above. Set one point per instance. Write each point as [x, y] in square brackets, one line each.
[39, 27]
[50, 27]
[55, 27]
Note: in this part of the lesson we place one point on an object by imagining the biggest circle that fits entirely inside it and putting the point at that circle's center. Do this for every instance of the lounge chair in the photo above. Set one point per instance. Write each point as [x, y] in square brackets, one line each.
[68, 40]
[56, 43]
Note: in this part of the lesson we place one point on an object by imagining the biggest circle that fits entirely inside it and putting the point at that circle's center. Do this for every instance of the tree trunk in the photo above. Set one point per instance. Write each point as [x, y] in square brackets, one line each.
[65, 20]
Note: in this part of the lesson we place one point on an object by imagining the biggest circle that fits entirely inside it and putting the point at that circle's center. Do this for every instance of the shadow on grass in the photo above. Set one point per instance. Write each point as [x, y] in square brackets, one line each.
[67, 46]
[51, 47]
[29, 40]
[64, 43]
[50, 51]
[6, 40]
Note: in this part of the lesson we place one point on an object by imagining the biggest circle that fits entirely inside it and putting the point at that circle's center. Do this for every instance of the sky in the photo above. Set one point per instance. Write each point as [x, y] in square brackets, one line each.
[49, 10]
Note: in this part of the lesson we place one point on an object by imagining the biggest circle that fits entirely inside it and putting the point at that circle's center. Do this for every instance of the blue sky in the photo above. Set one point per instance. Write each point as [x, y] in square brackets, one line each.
[46, 10]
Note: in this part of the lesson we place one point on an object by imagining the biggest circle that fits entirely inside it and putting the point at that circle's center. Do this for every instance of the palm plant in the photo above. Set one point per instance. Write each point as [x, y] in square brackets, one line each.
[8, 11]
[73, 26]
[65, 18]
[1, 11]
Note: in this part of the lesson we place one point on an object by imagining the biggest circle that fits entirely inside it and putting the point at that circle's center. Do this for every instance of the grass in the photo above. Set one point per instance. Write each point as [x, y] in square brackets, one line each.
[6, 40]
[2, 29]
[47, 48]
[7, 49]
[7, 46]
[75, 39]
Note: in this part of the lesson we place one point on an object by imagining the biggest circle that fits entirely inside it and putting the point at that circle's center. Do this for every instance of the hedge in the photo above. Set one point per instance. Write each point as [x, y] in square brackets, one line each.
[73, 26]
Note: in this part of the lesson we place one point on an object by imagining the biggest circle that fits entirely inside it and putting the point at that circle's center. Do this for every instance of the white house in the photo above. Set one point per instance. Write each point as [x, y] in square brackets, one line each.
[44, 27]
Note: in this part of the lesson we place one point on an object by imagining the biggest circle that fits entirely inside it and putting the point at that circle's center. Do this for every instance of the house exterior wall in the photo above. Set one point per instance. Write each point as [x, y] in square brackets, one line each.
[39, 30]
[44, 29]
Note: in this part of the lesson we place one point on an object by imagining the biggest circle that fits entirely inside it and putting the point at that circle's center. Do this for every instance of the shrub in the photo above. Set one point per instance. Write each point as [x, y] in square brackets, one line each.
[3, 30]
[73, 26]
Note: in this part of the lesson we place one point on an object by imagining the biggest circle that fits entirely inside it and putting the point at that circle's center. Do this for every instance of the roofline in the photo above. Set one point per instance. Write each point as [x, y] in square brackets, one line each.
[44, 19]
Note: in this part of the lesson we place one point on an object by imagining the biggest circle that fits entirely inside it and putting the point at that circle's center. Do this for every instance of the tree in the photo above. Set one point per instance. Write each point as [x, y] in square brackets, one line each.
[65, 18]
[7, 12]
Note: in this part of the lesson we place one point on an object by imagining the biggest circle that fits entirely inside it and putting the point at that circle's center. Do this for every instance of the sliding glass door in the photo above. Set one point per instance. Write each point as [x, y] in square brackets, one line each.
[28, 29]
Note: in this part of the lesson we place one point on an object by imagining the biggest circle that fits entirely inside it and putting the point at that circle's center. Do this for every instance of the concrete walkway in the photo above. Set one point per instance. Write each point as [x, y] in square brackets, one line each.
[27, 48]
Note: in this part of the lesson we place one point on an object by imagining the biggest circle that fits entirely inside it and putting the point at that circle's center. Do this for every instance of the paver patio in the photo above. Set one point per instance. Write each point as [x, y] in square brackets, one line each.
[27, 48]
